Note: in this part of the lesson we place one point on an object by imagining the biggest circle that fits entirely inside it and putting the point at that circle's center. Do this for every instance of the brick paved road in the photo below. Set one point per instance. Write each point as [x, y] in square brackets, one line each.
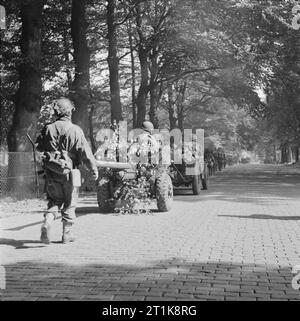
[237, 241]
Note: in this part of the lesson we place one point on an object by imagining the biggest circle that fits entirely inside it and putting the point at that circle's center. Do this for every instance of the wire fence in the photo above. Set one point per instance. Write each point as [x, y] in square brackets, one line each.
[18, 176]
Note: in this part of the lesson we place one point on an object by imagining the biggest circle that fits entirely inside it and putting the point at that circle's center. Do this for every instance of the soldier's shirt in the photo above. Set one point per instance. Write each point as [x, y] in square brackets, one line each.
[147, 147]
[73, 141]
[148, 140]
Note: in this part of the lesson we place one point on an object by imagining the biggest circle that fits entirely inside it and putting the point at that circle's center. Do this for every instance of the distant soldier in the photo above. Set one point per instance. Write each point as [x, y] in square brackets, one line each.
[214, 156]
[220, 159]
[224, 160]
[64, 148]
[210, 160]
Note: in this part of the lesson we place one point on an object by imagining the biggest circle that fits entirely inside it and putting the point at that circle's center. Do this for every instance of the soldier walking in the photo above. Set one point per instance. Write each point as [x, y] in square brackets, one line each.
[64, 148]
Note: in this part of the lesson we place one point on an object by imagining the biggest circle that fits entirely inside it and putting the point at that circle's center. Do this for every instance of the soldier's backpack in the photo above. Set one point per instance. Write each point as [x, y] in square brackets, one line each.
[59, 161]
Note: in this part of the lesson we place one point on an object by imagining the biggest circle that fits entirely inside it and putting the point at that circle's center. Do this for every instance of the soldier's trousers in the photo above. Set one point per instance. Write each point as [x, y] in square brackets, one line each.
[62, 197]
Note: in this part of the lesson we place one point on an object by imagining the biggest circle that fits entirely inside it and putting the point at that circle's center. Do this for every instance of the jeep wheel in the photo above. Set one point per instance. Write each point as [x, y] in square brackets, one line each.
[196, 184]
[103, 196]
[164, 192]
[205, 178]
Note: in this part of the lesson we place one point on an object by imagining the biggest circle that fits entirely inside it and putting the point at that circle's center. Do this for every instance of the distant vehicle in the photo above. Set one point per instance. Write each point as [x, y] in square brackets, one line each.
[192, 172]
[194, 176]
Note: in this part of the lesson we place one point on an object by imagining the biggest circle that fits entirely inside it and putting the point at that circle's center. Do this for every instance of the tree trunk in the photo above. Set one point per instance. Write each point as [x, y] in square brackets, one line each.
[143, 52]
[181, 121]
[67, 59]
[154, 100]
[28, 98]
[154, 95]
[171, 108]
[1, 92]
[181, 91]
[91, 128]
[143, 90]
[113, 62]
[81, 86]
[172, 119]
[133, 75]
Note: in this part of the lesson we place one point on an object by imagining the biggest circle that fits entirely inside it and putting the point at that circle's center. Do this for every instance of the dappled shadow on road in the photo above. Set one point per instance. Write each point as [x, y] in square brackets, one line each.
[20, 244]
[84, 210]
[250, 185]
[265, 217]
[171, 279]
[22, 227]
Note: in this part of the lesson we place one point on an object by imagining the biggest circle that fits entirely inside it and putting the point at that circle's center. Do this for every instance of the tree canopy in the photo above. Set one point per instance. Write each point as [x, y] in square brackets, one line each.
[231, 67]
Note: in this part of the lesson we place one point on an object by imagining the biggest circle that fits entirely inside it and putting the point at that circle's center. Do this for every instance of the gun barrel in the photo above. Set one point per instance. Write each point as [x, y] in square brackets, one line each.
[114, 165]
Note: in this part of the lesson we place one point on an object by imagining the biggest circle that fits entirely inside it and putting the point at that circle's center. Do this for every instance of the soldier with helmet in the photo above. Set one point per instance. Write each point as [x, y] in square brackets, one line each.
[221, 159]
[63, 140]
[147, 134]
[145, 149]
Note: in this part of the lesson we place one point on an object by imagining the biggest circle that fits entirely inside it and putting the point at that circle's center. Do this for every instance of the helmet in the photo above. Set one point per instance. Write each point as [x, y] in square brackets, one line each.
[63, 107]
[148, 126]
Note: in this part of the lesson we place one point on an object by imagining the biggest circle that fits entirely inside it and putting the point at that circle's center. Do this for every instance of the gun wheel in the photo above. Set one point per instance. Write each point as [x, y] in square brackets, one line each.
[106, 205]
[196, 184]
[164, 193]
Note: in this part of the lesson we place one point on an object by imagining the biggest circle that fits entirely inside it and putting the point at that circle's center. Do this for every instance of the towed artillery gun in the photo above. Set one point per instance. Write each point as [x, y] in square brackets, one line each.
[114, 175]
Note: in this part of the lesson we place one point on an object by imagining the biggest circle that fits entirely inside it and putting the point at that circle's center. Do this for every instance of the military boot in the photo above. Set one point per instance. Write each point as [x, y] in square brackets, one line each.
[67, 233]
[46, 228]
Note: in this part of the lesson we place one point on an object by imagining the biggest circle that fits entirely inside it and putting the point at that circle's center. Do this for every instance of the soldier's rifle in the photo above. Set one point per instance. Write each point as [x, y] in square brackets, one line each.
[35, 164]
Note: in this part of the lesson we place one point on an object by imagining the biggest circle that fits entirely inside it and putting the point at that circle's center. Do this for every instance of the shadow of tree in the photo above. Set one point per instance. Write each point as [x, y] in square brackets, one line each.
[258, 186]
[170, 279]
[22, 227]
[265, 217]
[19, 244]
